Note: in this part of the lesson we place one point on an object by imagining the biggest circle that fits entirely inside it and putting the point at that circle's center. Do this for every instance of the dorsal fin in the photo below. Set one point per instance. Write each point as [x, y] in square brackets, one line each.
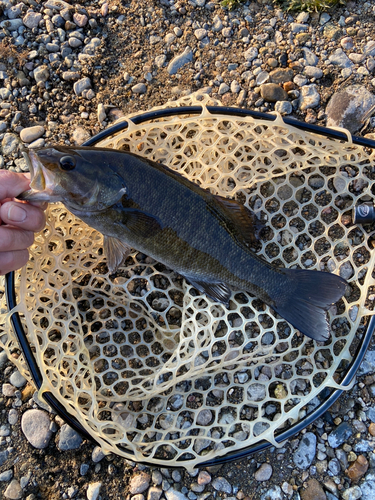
[237, 219]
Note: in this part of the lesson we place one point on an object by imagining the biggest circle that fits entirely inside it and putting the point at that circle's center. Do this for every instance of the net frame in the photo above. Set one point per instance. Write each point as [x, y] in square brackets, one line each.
[345, 382]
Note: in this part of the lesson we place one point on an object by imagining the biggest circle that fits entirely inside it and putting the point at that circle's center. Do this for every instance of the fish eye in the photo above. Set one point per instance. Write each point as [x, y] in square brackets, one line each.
[67, 163]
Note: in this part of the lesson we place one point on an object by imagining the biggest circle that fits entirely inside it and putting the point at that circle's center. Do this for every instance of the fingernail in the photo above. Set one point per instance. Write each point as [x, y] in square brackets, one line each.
[16, 213]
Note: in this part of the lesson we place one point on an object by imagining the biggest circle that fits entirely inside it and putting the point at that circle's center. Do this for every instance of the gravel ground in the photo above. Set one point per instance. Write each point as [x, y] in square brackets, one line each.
[66, 72]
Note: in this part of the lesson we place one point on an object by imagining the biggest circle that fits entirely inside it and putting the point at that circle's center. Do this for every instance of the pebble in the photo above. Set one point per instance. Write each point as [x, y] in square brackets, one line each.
[172, 494]
[369, 48]
[30, 134]
[283, 107]
[139, 483]
[9, 390]
[93, 491]
[69, 439]
[97, 454]
[250, 54]
[200, 33]
[368, 487]
[80, 19]
[263, 473]
[11, 24]
[353, 493]
[203, 478]
[139, 88]
[80, 135]
[346, 270]
[273, 493]
[74, 42]
[57, 5]
[310, 97]
[180, 60]
[32, 19]
[271, 92]
[340, 59]
[12, 416]
[281, 75]
[91, 47]
[358, 468]
[101, 113]
[305, 453]
[10, 144]
[6, 476]
[298, 27]
[223, 88]
[70, 75]
[154, 493]
[334, 466]
[313, 72]
[347, 43]
[81, 85]
[3, 456]
[35, 424]
[221, 484]
[340, 435]
[313, 491]
[14, 490]
[41, 74]
[39, 143]
[217, 24]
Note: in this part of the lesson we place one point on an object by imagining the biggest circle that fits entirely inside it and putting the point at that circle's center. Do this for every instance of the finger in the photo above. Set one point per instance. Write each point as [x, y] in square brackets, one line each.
[12, 238]
[12, 184]
[22, 215]
[40, 204]
[10, 261]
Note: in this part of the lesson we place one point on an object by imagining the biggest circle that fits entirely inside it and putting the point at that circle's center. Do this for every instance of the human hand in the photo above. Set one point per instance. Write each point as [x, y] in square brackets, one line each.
[18, 221]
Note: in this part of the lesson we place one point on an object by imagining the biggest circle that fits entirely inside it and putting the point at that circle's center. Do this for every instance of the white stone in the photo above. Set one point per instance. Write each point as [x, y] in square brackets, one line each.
[81, 85]
[101, 113]
[310, 97]
[32, 19]
[29, 134]
[93, 491]
[14, 490]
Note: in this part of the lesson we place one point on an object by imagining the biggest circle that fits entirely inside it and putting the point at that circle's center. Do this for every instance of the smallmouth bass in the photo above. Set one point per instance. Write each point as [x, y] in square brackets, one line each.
[137, 203]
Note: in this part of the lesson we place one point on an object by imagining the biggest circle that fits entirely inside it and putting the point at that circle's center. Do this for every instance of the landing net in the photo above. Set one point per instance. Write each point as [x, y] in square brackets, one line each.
[156, 372]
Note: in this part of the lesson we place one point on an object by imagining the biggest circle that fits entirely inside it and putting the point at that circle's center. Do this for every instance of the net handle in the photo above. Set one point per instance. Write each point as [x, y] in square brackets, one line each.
[165, 113]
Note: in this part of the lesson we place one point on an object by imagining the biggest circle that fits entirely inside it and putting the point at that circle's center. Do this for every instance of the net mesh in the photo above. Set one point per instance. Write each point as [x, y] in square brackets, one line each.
[156, 372]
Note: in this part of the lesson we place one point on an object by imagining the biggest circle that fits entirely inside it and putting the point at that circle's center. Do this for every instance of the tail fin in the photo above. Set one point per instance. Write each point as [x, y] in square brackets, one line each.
[311, 294]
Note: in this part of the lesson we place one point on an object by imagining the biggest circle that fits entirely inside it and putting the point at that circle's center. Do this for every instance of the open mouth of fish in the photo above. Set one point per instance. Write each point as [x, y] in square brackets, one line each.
[41, 185]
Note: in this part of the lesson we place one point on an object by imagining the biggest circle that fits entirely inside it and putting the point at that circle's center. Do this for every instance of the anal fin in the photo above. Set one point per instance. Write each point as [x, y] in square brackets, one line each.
[220, 292]
[116, 252]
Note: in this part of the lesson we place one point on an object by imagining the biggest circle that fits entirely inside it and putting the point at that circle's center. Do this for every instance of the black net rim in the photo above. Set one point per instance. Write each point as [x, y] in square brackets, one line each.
[326, 400]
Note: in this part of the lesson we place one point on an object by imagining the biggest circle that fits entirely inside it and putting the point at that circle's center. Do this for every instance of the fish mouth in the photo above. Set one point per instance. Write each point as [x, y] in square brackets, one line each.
[41, 185]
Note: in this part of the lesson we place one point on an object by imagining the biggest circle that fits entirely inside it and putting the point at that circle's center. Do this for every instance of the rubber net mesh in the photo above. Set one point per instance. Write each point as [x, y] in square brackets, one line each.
[156, 372]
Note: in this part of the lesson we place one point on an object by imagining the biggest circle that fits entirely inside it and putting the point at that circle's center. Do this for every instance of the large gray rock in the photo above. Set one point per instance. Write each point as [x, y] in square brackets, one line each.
[347, 108]
[35, 424]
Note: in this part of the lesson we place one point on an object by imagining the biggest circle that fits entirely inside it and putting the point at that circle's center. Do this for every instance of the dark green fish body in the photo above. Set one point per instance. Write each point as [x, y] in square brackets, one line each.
[137, 203]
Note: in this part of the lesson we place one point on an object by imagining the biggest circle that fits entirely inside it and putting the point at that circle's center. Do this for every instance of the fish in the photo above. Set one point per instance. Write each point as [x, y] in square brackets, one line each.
[140, 204]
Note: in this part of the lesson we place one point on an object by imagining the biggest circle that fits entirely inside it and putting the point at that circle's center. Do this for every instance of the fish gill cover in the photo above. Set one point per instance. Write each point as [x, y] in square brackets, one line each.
[155, 372]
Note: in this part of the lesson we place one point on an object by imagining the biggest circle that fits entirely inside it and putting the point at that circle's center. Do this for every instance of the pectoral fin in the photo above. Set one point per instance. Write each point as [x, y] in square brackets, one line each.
[220, 292]
[116, 252]
[140, 223]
